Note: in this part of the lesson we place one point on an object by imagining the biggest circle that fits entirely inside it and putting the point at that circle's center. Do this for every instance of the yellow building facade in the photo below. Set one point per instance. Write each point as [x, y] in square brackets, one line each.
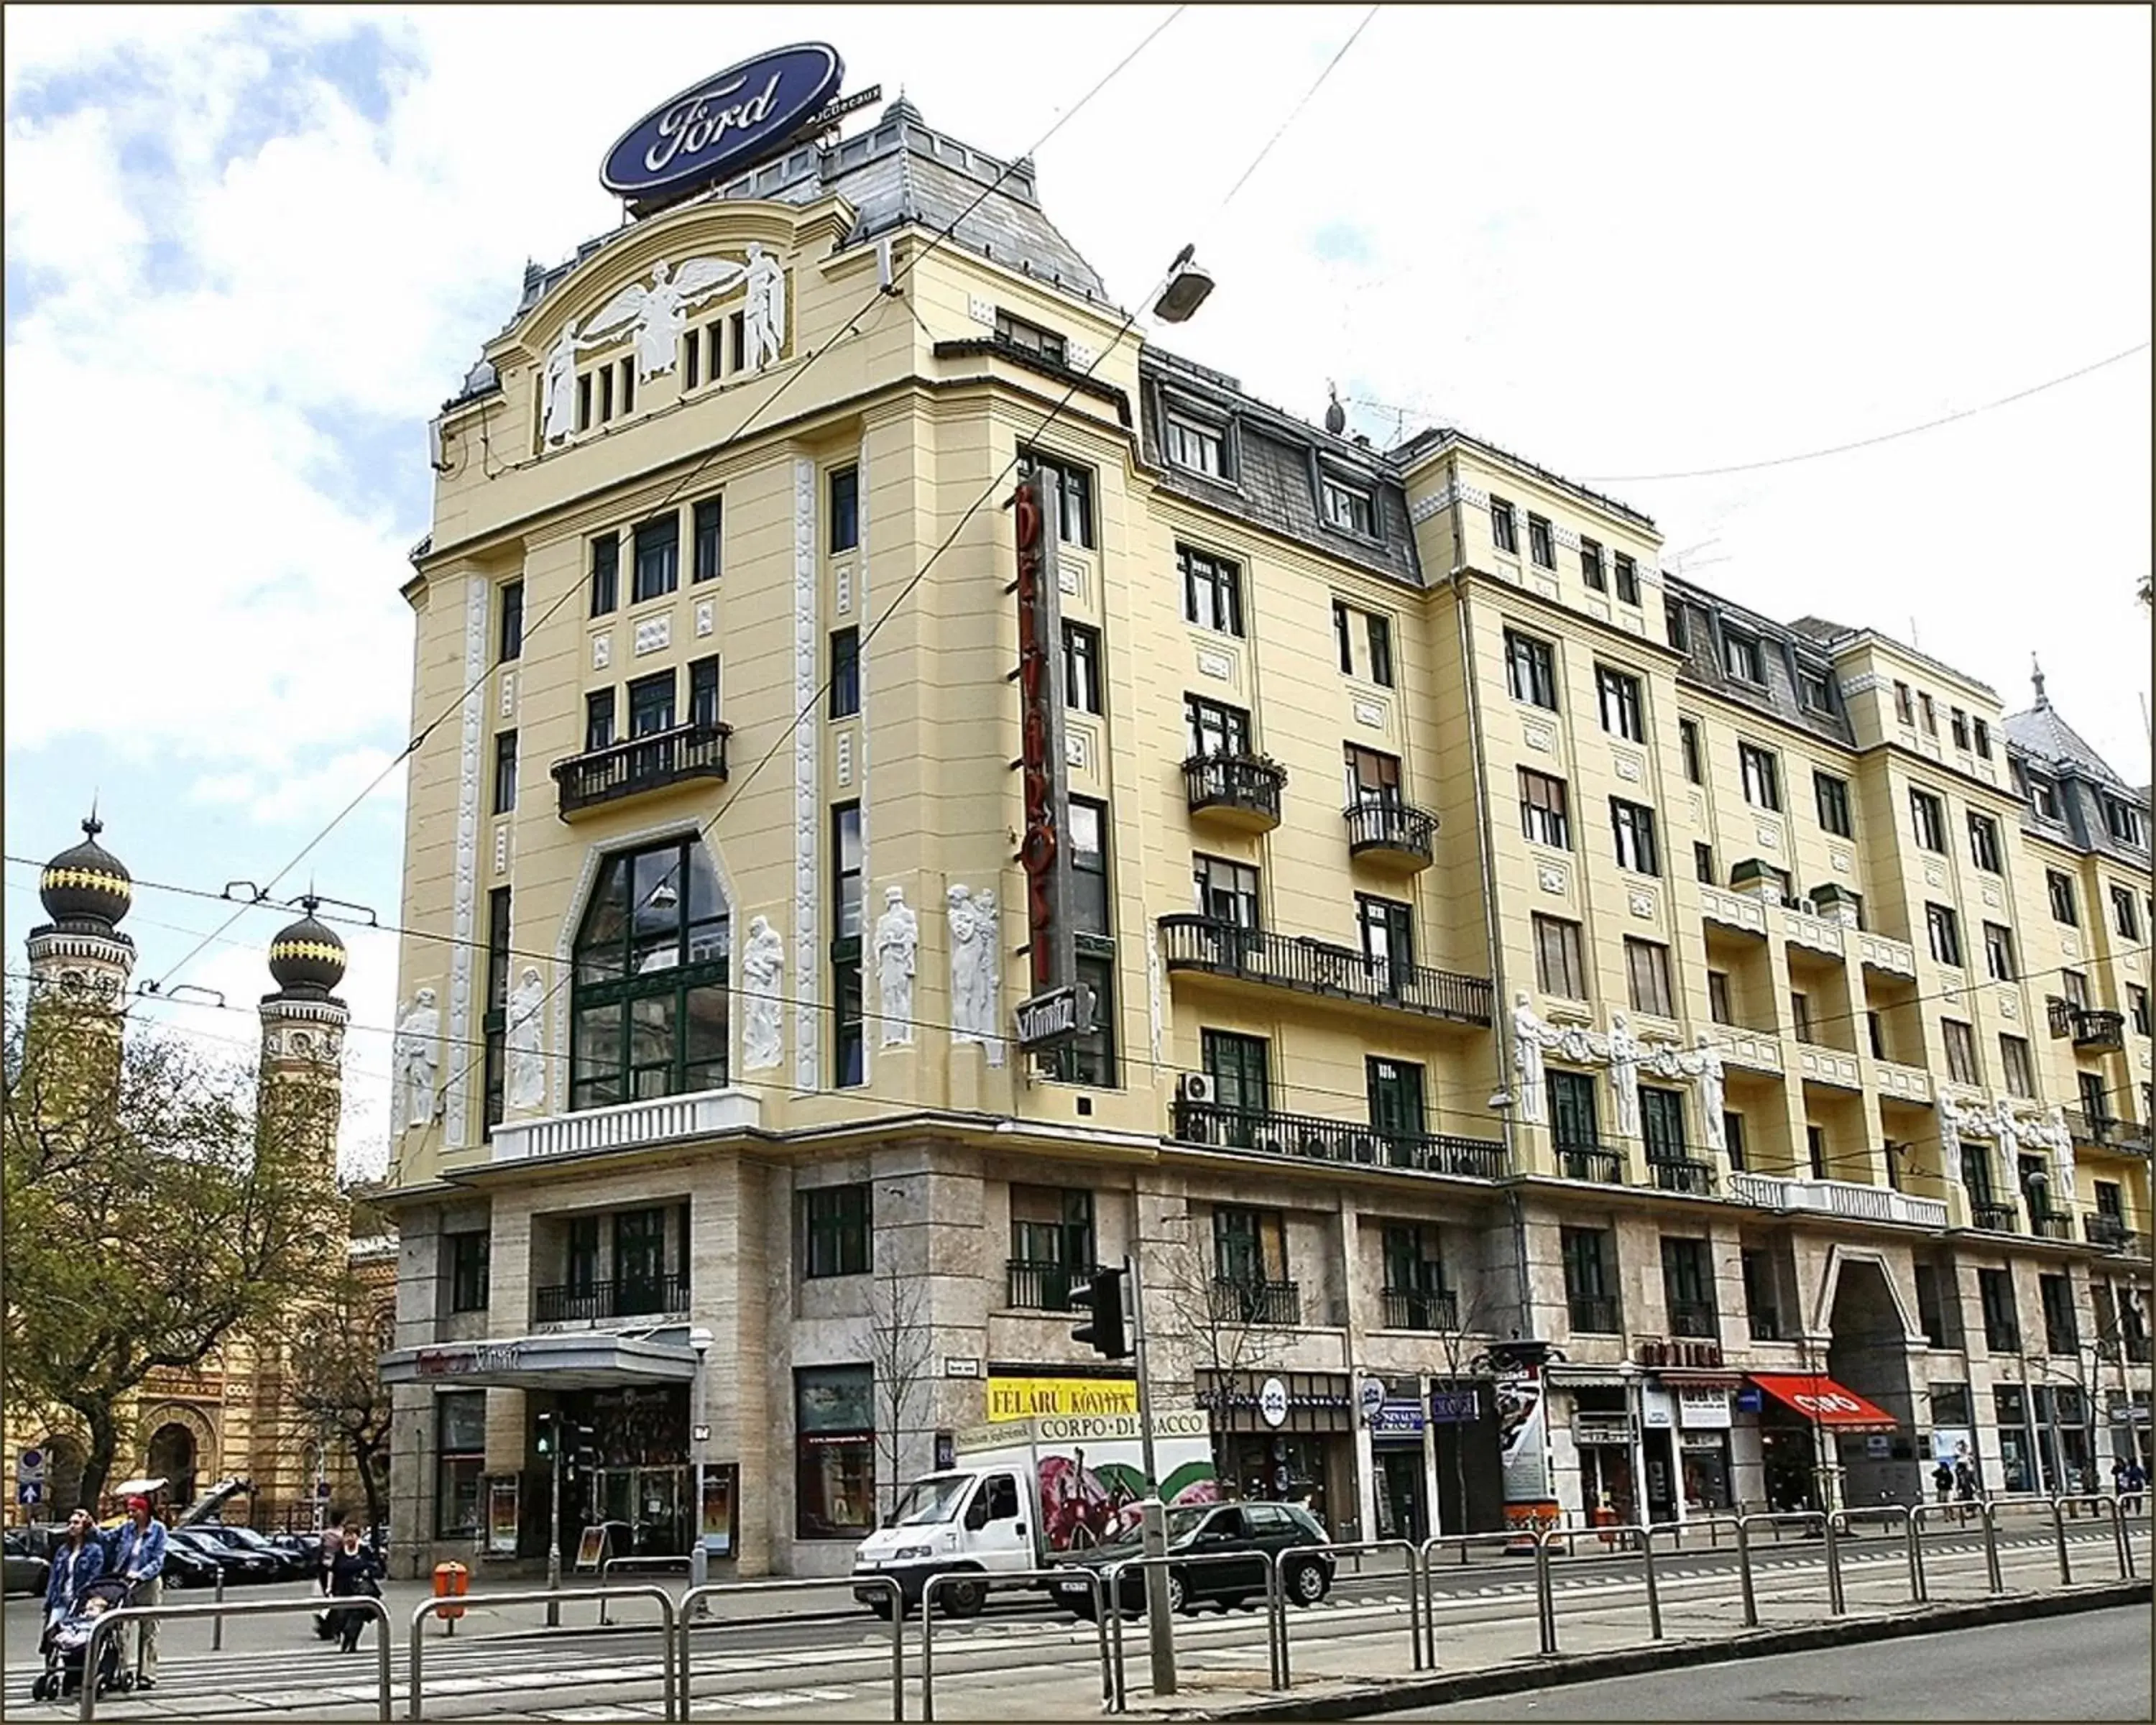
[717, 1155]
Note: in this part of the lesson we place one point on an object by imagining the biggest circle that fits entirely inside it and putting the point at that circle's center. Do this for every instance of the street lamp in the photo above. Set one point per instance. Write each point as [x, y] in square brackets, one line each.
[1189, 285]
[700, 1439]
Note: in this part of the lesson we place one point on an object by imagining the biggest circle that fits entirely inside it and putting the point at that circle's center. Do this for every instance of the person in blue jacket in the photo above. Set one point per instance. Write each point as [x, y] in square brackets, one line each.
[78, 1560]
[137, 1557]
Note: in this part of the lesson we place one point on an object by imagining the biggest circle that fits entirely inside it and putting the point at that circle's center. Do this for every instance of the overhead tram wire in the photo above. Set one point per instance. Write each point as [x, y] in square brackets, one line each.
[793, 375]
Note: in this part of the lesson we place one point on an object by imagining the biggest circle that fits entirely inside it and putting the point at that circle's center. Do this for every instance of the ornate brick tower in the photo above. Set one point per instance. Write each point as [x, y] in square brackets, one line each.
[81, 954]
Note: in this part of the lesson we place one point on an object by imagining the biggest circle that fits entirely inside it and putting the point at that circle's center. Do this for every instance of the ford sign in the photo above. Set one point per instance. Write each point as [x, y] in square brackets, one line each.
[724, 122]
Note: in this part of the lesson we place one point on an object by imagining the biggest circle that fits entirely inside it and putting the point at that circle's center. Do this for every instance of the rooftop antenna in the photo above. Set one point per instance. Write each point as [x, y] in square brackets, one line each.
[1913, 641]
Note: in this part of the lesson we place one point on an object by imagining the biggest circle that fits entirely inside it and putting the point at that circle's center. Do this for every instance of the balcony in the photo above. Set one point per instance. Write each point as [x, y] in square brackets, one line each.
[1993, 1218]
[603, 1302]
[1759, 1050]
[1883, 953]
[1678, 1173]
[2105, 1133]
[1276, 1304]
[1032, 1285]
[2052, 1224]
[1908, 1084]
[1390, 834]
[1694, 1318]
[1418, 1309]
[1594, 1314]
[1733, 910]
[1338, 1140]
[628, 1125]
[1838, 1197]
[1803, 928]
[642, 764]
[1241, 792]
[1590, 1162]
[2096, 1030]
[2108, 1231]
[1313, 966]
[1766, 1324]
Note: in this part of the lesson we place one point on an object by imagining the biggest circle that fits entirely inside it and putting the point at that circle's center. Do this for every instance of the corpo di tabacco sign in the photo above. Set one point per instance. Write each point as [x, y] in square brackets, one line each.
[723, 122]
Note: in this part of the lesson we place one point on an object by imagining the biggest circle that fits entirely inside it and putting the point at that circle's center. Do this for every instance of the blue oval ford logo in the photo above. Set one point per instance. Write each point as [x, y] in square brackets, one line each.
[724, 122]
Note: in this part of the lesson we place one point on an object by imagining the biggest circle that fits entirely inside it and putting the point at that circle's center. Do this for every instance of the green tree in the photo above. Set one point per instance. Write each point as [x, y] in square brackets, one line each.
[333, 1377]
[150, 1209]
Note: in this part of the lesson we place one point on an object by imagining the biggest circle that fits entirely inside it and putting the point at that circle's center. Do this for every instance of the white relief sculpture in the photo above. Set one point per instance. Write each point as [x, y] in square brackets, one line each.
[415, 1100]
[1530, 1034]
[763, 956]
[1704, 1063]
[1950, 1131]
[2004, 1128]
[965, 945]
[1152, 988]
[764, 326]
[992, 974]
[560, 382]
[2052, 1130]
[897, 935]
[526, 1077]
[659, 313]
[1625, 1056]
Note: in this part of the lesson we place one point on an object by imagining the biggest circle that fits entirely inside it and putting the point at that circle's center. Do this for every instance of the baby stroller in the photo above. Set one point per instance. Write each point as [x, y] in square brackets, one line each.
[66, 1644]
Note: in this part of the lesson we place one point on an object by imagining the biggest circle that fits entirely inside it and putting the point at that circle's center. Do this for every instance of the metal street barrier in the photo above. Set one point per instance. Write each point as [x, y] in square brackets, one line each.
[417, 1648]
[1830, 1535]
[989, 1582]
[1427, 1555]
[112, 1620]
[2101, 1505]
[1887, 1515]
[1546, 1593]
[1355, 1547]
[684, 1620]
[609, 1565]
[2007, 1503]
[1111, 1607]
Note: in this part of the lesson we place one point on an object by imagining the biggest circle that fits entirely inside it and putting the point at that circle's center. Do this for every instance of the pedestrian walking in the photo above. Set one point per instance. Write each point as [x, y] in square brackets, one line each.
[1942, 1481]
[137, 1558]
[78, 1560]
[355, 1573]
[2137, 1482]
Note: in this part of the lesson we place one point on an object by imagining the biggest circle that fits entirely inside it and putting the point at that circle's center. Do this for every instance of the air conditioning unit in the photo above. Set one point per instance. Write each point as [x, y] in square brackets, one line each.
[1808, 906]
[1194, 1087]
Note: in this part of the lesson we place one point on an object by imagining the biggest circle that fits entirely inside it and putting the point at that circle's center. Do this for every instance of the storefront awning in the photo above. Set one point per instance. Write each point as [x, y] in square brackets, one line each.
[578, 1359]
[1821, 1400]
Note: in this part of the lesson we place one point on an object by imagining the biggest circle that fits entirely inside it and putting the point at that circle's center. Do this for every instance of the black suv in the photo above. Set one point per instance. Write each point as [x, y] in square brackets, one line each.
[1212, 1530]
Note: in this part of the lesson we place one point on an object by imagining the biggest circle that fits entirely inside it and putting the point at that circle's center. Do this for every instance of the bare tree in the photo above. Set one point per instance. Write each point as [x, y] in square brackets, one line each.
[901, 1345]
[1234, 1323]
[1461, 1326]
[334, 1382]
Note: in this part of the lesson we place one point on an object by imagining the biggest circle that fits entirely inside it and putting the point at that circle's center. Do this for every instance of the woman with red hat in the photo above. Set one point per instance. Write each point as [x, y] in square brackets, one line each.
[138, 1557]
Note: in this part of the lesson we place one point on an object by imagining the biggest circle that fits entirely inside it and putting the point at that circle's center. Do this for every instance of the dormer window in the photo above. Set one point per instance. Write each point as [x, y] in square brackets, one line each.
[2123, 820]
[1031, 338]
[1813, 692]
[1740, 657]
[1348, 507]
[2044, 795]
[1202, 449]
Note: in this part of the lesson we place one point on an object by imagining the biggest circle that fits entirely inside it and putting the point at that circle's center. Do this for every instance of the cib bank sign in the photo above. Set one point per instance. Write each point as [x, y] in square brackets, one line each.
[727, 122]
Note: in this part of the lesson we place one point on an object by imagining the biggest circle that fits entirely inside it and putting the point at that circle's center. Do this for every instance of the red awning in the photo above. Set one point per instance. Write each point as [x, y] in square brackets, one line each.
[1822, 1400]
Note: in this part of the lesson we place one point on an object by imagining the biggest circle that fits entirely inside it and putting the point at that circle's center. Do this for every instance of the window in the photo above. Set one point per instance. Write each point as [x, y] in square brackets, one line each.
[704, 549]
[1905, 704]
[1763, 776]
[1089, 867]
[1800, 1016]
[2002, 1329]
[1415, 1265]
[1944, 930]
[1394, 1092]
[1673, 621]
[1816, 1150]
[845, 492]
[1091, 1059]
[1348, 507]
[1589, 1275]
[2095, 1094]
[692, 359]
[1380, 630]
[1688, 1286]
[845, 673]
[460, 1443]
[1622, 715]
[849, 1044]
[834, 1490]
[1202, 449]
[1372, 777]
[1532, 668]
[1387, 929]
[1647, 964]
[495, 1023]
[658, 558]
[1574, 1124]
[1540, 546]
[1688, 734]
[1815, 691]
[648, 1007]
[2062, 1325]
[606, 573]
[2075, 984]
[1832, 795]
[2125, 913]
[1249, 1246]
[1983, 842]
[835, 1231]
[846, 871]
[1052, 1231]
[1225, 891]
[1930, 715]
[2045, 796]
[2121, 820]
[1732, 1138]
[2061, 888]
[1717, 997]
[651, 705]
[1081, 668]
[1628, 580]
[1740, 658]
[1998, 952]
[1634, 826]
[468, 1289]
[1932, 1319]
[1875, 1028]
[1030, 337]
[1214, 729]
[2013, 1062]
[1961, 1052]
[1957, 726]
[512, 622]
[1928, 815]
[504, 771]
[1504, 530]
[1543, 814]
[2137, 1006]
[704, 691]
[598, 720]
[1343, 637]
[1590, 567]
[1076, 486]
[1212, 591]
[1982, 737]
[1236, 1065]
[1702, 861]
[1559, 967]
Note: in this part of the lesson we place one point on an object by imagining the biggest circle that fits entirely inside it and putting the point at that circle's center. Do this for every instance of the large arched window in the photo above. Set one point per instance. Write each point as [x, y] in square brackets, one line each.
[648, 1004]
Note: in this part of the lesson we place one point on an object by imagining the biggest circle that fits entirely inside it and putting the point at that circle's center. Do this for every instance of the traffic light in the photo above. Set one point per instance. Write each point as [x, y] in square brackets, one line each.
[1102, 1300]
[548, 1434]
[581, 1447]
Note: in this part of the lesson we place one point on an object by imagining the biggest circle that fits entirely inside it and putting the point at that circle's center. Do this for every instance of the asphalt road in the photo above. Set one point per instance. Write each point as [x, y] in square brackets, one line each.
[2093, 1664]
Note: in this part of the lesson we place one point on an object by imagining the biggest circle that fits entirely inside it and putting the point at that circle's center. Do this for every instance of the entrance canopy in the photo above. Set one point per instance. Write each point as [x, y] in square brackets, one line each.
[580, 1360]
[1818, 1400]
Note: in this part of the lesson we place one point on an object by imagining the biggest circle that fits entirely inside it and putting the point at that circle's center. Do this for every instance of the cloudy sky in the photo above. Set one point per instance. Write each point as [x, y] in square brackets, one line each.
[250, 253]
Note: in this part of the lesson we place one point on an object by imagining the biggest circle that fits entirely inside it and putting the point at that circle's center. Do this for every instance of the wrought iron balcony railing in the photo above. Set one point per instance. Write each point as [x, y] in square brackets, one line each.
[1030, 1285]
[2097, 1029]
[1694, 1318]
[1339, 1141]
[599, 1302]
[1237, 1302]
[1679, 1174]
[2101, 1229]
[1590, 1162]
[1421, 1309]
[641, 764]
[1311, 966]
[1996, 1217]
[1390, 832]
[1766, 1324]
[1594, 1314]
[2105, 1133]
[1245, 789]
[2050, 1224]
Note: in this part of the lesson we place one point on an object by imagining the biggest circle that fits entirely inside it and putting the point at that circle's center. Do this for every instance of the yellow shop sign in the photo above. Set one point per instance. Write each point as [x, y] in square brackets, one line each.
[1023, 1398]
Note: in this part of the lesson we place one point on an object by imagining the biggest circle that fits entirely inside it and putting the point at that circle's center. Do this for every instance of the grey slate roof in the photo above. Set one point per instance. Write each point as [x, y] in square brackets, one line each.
[2042, 733]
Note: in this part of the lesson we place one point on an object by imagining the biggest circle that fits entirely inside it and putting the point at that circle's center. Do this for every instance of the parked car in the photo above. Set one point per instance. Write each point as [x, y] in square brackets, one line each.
[239, 1564]
[26, 1572]
[185, 1567]
[289, 1564]
[1213, 1530]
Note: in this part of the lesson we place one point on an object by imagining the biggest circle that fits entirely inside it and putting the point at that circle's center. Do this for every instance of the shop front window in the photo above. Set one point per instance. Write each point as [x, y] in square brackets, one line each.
[460, 1431]
[834, 1461]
